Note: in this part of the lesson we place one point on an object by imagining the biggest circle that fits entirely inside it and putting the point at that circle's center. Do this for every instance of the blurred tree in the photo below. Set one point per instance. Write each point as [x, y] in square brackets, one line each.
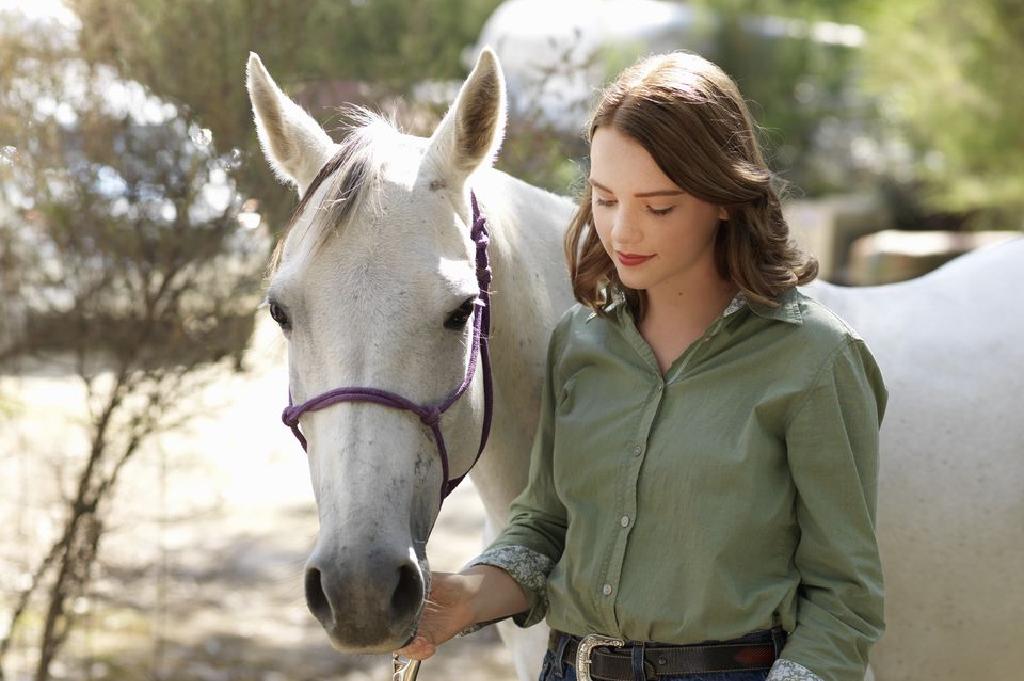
[802, 87]
[948, 74]
[944, 85]
[536, 150]
[193, 53]
[123, 252]
[851, 11]
[935, 85]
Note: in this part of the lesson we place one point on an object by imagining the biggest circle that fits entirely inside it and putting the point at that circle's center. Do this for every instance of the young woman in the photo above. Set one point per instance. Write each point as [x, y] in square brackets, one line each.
[705, 466]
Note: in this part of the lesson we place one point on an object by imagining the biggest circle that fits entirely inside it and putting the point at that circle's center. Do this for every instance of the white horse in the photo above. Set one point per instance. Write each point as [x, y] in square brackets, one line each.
[378, 259]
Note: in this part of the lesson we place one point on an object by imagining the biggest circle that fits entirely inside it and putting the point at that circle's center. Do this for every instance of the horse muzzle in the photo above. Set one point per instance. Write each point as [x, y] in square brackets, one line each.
[366, 606]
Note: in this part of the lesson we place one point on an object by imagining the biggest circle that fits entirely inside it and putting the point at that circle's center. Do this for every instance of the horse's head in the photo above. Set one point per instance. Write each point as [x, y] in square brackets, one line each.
[375, 285]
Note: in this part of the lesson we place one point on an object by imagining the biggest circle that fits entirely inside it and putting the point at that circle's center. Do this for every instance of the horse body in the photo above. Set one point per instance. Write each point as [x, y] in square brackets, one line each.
[366, 289]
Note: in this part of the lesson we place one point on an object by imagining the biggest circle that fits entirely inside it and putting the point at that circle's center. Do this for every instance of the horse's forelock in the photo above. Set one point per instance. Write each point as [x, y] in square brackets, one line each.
[352, 169]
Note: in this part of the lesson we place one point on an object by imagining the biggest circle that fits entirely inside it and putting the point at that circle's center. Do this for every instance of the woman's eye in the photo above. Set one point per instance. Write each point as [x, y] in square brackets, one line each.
[603, 202]
[662, 211]
[458, 317]
[279, 316]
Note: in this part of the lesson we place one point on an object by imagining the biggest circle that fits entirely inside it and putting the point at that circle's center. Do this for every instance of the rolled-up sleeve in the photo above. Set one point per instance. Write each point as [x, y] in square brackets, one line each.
[832, 442]
[533, 541]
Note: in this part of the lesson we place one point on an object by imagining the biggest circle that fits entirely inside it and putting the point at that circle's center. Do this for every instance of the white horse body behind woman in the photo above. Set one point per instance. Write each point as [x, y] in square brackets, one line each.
[366, 287]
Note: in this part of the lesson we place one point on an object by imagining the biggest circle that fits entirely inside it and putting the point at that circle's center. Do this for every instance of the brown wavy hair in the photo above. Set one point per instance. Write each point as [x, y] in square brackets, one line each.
[690, 117]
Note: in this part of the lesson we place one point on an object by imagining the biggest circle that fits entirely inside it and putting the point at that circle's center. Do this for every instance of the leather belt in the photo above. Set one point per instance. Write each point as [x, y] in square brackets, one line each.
[606, 659]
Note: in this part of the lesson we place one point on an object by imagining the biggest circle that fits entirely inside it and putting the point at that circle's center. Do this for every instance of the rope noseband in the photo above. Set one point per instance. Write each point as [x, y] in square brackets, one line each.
[430, 414]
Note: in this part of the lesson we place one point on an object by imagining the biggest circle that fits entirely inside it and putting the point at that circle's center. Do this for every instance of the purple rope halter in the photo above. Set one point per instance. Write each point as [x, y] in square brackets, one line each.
[429, 414]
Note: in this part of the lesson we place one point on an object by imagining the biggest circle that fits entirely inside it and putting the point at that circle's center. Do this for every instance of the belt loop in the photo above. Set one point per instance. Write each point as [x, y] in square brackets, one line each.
[559, 666]
[778, 639]
[637, 662]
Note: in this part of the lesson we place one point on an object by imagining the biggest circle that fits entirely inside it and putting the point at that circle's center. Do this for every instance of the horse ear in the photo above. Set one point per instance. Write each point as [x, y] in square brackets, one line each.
[470, 133]
[295, 145]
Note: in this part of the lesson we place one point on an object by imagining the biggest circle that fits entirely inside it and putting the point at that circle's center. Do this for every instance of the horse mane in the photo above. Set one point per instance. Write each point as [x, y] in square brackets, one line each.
[352, 169]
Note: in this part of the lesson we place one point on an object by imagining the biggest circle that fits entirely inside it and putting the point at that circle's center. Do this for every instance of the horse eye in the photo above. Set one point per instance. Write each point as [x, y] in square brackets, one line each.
[458, 317]
[279, 316]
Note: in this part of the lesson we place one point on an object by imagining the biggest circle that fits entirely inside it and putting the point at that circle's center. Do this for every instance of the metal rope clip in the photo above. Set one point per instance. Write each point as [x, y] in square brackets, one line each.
[405, 670]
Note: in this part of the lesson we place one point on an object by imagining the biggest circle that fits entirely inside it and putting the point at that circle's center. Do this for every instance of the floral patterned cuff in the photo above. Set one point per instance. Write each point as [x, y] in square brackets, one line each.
[787, 670]
[530, 569]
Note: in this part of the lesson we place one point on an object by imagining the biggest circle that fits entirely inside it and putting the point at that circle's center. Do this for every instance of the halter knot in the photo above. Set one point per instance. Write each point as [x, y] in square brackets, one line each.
[288, 416]
[430, 415]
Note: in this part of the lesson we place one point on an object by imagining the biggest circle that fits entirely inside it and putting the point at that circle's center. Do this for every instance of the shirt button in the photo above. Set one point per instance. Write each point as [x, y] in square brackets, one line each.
[607, 589]
[624, 521]
[638, 450]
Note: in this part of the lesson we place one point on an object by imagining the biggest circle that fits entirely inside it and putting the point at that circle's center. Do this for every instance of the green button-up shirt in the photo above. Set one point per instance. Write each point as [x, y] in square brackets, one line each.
[735, 492]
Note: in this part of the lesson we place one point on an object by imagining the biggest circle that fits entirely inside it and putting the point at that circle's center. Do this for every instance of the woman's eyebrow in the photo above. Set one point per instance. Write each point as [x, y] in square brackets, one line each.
[640, 195]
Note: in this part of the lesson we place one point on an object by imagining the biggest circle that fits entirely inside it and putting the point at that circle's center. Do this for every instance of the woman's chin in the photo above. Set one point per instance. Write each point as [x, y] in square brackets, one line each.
[634, 280]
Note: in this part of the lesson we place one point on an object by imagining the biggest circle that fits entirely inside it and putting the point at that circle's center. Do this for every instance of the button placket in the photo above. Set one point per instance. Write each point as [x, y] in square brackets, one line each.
[629, 500]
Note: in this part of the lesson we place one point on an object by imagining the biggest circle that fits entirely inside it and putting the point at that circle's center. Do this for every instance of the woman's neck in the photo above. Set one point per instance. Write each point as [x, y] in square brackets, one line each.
[689, 307]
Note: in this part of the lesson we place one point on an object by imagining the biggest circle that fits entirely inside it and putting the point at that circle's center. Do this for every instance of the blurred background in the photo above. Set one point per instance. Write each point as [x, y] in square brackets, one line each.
[155, 514]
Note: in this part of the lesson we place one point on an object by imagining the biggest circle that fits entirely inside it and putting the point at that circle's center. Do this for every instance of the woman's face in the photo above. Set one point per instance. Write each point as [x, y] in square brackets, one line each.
[638, 210]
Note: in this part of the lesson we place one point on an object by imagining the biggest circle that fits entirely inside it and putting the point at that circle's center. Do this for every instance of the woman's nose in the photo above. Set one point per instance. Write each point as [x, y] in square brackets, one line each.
[623, 229]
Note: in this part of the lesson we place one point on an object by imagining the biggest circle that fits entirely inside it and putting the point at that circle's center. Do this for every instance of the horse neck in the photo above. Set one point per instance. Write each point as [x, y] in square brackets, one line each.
[530, 290]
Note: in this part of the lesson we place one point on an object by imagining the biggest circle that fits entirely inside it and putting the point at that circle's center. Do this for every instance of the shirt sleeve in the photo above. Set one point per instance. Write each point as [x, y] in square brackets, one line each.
[832, 444]
[787, 670]
[534, 539]
[530, 569]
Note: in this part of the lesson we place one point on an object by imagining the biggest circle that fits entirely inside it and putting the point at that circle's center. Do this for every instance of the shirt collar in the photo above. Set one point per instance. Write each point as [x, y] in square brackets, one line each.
[788, 310]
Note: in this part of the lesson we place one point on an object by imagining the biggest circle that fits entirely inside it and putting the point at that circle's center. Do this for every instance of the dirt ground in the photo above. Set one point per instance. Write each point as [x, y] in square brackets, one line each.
[201, 571]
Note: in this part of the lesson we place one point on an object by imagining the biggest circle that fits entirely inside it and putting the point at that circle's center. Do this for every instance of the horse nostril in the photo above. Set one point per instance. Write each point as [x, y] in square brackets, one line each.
[409, 590]
[316, 601]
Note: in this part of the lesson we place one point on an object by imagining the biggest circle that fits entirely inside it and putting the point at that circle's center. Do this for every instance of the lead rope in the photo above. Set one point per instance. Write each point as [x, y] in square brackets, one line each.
[408, 670]
[404, 669]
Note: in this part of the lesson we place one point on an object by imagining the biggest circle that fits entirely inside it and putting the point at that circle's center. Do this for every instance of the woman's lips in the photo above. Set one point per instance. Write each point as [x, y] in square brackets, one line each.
[629, 259]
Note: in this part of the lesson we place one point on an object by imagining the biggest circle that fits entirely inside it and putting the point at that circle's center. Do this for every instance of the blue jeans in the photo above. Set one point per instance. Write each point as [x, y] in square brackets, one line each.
[553, 670]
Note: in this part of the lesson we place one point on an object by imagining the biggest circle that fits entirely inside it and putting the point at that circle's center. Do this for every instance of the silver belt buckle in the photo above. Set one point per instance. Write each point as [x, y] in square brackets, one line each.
[587, 644]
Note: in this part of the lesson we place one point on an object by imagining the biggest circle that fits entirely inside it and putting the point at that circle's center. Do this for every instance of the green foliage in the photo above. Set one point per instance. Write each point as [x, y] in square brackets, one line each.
[801, 92]
[936, 77]
[121, 234]
[936, 89]
[193, 52]
[948, 74]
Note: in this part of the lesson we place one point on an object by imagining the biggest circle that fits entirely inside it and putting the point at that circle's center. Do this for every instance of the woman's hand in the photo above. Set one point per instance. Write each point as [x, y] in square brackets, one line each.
[449, 610]
[480, 593]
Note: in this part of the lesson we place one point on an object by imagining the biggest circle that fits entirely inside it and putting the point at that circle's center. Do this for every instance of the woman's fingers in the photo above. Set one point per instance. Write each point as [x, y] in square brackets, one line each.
[441, 618]
[419, 649]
